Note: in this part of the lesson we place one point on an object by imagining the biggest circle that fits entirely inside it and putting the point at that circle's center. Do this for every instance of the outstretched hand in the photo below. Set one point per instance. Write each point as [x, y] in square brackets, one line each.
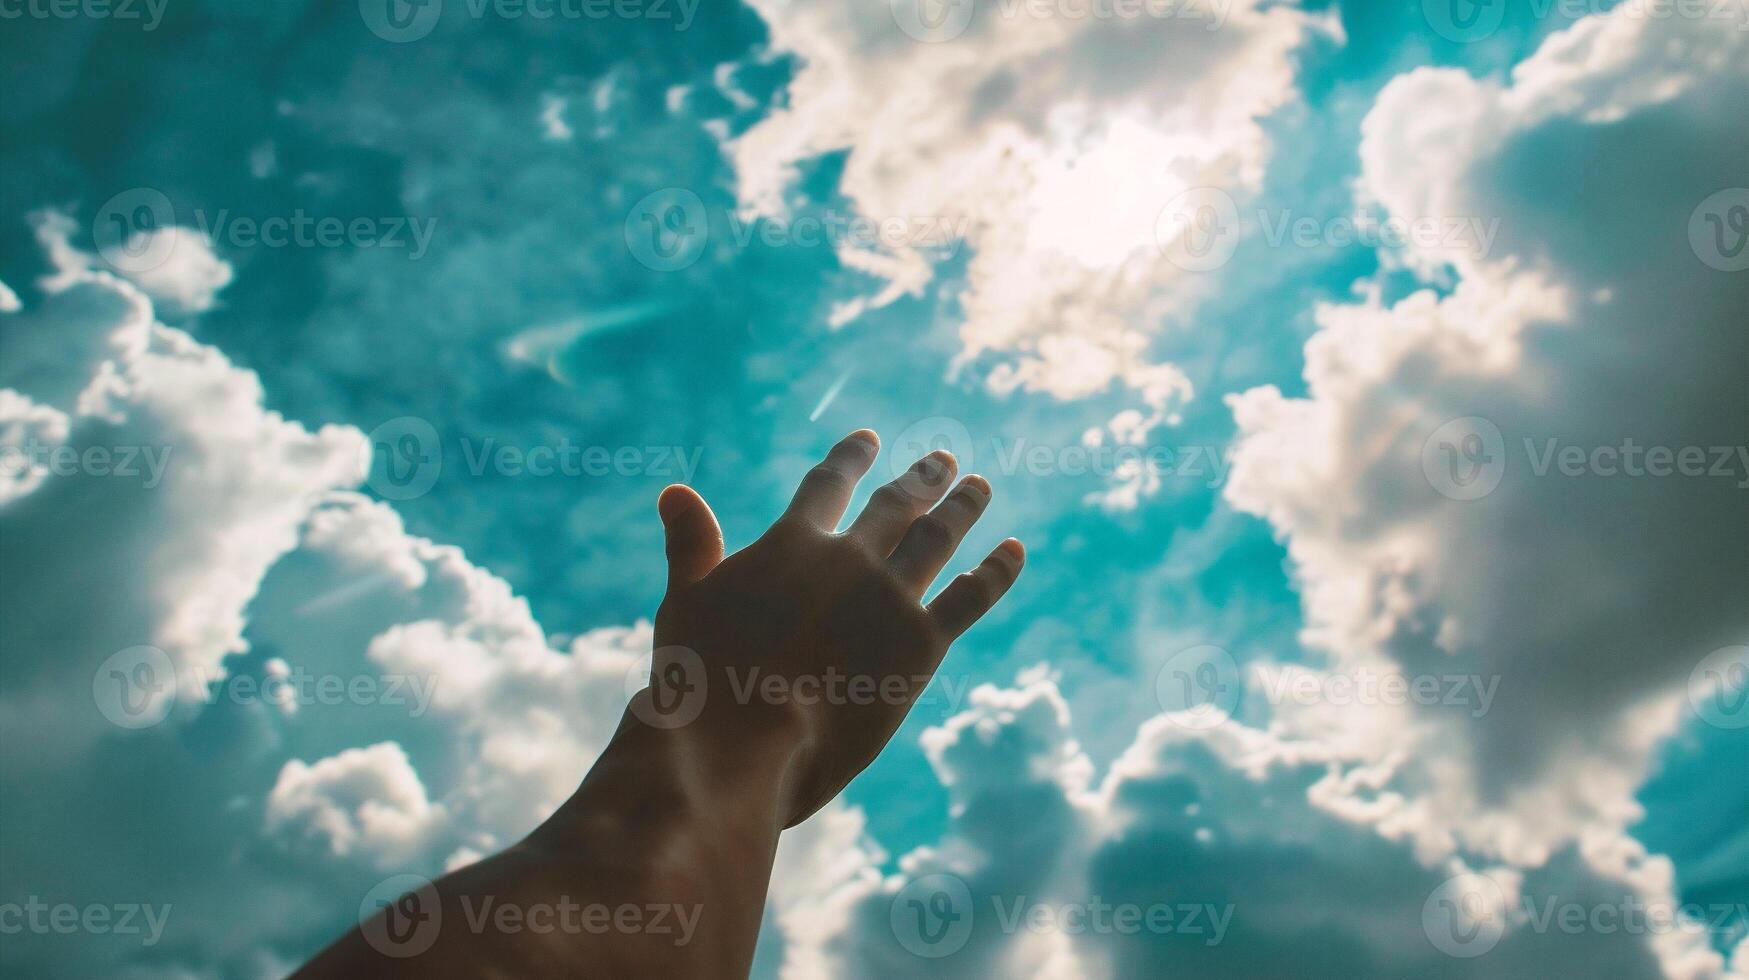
[805, 650]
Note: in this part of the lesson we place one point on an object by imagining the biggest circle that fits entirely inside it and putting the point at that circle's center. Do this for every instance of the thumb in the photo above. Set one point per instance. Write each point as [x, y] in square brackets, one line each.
[695, 542]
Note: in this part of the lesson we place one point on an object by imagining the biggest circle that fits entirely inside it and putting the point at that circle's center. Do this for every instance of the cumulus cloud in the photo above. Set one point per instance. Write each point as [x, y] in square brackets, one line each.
[169, 469]
[1054, 143]
[348, 699]
[363, 803]
[1235, 838]
[26, 430]
[156, 494]
[190, 276]
[1429, 529]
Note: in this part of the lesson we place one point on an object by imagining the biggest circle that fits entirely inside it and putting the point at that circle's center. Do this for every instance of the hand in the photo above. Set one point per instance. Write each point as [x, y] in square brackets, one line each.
[802, 653]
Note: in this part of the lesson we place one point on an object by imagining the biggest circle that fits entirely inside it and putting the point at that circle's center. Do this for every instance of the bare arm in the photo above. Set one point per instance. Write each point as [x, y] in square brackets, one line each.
[780, 673]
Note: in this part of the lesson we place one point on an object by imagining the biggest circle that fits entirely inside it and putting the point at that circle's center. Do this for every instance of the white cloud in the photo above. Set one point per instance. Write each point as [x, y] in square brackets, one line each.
[245, 545]
[175, 266]
[217, 485]
[364, 803]
[185, 491]
[1232, 821]
[1591, 322]
[1055, 141]
[191, 275]
[27, 430]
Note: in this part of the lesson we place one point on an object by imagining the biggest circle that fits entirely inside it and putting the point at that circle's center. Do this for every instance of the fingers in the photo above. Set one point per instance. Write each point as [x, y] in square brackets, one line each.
[695, 542]
[932, 538]
[894, 506]
[825, 491]
[970, 595]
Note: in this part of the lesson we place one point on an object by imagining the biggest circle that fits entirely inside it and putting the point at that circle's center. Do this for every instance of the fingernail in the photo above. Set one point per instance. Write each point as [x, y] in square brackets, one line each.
[932, 466]
[670, 500]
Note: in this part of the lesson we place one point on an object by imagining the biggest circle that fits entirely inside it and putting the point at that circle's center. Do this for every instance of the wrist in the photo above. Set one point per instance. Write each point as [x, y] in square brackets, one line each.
[653, 786]
[659, 820]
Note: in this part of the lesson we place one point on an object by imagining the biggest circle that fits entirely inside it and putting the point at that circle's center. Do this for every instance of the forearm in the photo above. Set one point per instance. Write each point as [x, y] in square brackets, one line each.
[657, 866]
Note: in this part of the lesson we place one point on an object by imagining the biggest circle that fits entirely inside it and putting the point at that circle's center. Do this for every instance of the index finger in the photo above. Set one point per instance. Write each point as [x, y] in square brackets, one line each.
[825, 491]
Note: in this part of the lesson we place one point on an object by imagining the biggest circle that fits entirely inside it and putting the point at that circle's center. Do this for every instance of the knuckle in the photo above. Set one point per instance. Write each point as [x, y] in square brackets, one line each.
[847, 454]
[828, 477]
[999, 579]
[932, 533]
[890, 496]
[864, 557]
[791, 529]
[970, 502]
[979, 588]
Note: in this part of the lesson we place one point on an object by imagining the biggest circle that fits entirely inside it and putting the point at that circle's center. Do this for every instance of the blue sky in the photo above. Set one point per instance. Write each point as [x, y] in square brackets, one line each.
[1027, 289]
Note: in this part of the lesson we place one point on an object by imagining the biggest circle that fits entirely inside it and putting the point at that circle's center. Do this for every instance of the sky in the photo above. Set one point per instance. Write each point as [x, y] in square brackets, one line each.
[1363, 379]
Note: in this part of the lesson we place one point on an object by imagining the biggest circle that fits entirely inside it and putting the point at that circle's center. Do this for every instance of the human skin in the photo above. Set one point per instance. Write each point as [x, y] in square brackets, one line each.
[681, 814]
